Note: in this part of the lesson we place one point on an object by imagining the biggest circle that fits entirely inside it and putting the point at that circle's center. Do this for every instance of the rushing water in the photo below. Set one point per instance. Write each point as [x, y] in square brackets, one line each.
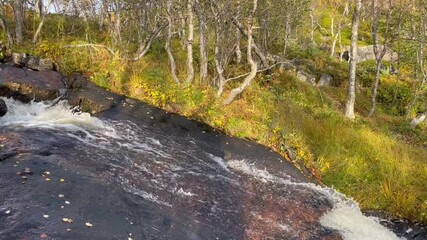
[130, 180]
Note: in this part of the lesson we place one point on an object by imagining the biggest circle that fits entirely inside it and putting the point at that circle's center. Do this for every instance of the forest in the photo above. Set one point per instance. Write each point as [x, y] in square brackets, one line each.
[338, 87]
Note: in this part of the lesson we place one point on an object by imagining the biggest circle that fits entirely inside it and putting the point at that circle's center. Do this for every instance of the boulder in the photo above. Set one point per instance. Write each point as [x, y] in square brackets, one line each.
[25, 85]
[77, 81]
[32, 62]
[325, 80]
[306, 77]
[418, 119]
[366, 53]
[288, 66]
[3, 108]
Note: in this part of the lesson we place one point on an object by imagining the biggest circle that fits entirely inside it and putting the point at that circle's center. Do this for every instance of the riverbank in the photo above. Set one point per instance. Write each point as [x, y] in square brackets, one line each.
[380, 161]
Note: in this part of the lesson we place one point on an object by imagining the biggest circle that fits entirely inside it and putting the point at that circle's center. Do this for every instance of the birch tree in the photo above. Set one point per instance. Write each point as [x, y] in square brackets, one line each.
[190, 39]
[43, 14]
[254, 67]
[171, 58]
[351, 98]
[202, 22]
[379, 50]
[18, 11]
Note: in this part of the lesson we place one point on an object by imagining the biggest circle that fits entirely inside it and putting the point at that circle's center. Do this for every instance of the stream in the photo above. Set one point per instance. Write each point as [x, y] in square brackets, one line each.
[70, 176]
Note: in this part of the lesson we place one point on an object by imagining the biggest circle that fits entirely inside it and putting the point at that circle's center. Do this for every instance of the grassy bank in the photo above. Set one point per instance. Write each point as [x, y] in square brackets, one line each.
[381, 162]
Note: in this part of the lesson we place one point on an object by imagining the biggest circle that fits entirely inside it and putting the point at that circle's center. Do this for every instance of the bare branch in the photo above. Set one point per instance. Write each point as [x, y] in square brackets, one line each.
[91, 46]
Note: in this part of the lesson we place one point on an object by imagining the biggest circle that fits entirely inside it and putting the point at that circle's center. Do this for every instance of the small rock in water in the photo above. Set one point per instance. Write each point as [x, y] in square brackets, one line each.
[409, 230]
[88, 224]
[62, 180]
[67, 202]
[3, 108]
[61, 195]
[45, 216]
[44, 235]
[7, 212]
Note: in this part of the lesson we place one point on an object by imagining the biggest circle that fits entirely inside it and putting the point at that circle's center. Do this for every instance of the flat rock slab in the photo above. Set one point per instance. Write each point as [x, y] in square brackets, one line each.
[27, 85]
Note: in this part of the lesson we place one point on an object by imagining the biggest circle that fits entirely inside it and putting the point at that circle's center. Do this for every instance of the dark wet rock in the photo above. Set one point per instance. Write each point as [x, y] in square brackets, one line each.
[401, 227]
[325, 80]
[99, 196]
[3, 108]
[93, 98]
[26, 85]
[77, 81]
[32, 62]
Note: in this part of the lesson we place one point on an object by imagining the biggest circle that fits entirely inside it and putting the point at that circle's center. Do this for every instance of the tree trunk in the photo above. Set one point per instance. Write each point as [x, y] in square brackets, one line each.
[312, 26]
[349, 111]
[17, 6]
[5, 27]
[202, 44]
[43, 15]
[146, 44]
[190, 39]
[375, 90]
[238, 37]
[257, 50]
[183, 32]
[287, 33]
[420, 60]
[117, 32]
[217, 55]
[254, 67]
[38, 7]
[168, 42]
[379, 54]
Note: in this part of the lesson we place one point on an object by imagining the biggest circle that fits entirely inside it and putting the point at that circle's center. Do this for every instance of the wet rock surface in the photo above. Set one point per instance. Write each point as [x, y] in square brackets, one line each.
[174, 191]
[26, 85]
[32, 62]
[3, 108]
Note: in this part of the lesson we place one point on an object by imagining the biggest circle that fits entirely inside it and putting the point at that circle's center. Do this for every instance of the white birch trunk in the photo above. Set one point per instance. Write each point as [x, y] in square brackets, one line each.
[351, 99]
[190, 39]
[254, 67]
[168, 43]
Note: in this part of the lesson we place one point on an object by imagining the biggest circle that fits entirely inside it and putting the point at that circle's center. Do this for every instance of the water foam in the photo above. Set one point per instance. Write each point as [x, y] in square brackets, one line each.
[345, 216]
[44, 115]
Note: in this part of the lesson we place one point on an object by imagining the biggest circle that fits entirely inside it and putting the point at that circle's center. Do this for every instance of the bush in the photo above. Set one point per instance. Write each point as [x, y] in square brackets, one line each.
[395, 97]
